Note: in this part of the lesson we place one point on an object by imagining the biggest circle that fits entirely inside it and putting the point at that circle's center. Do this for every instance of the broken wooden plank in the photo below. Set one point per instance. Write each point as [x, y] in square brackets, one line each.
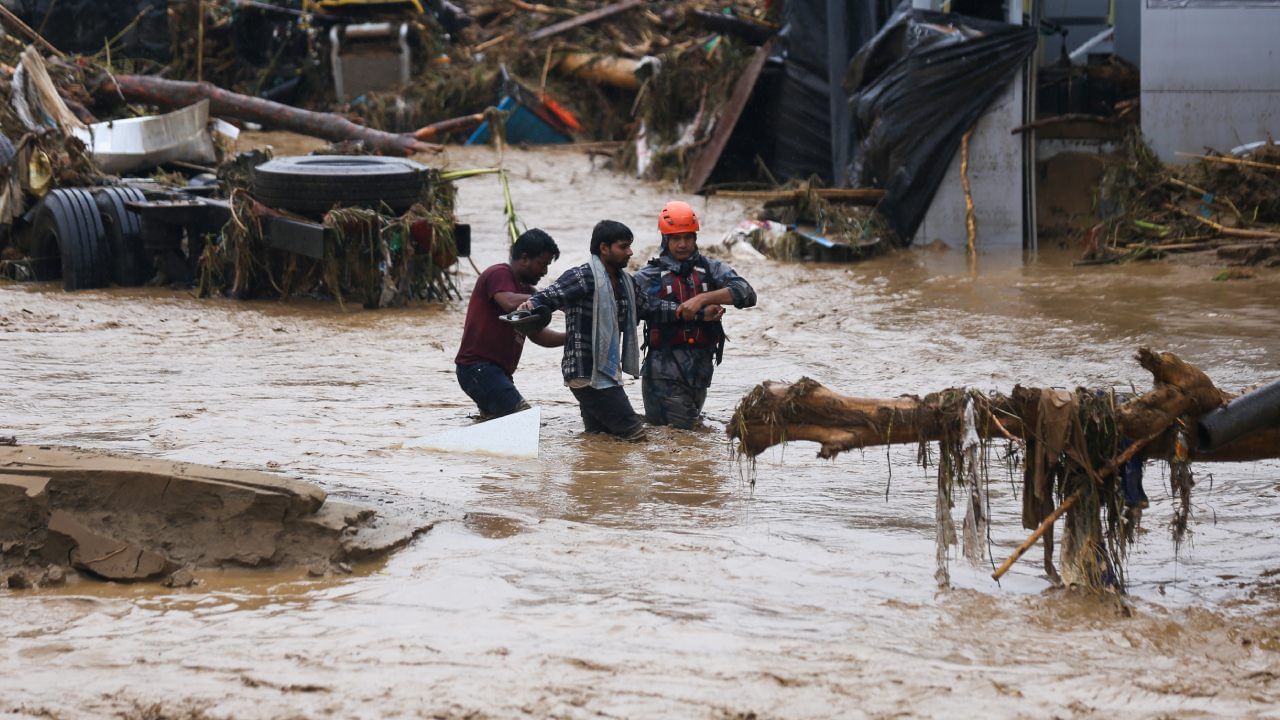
[584, 19]
[710, 155]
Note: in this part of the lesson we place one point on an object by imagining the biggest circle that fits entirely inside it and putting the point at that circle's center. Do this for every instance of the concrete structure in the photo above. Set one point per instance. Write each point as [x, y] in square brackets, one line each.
[999, 176]
[1210, 74]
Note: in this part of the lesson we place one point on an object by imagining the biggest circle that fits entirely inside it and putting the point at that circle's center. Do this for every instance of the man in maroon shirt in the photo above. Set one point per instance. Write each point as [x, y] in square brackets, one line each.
[491, 348]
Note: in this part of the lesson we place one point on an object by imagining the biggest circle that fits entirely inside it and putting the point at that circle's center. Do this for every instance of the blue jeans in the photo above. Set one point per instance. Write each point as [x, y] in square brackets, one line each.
[493, 390]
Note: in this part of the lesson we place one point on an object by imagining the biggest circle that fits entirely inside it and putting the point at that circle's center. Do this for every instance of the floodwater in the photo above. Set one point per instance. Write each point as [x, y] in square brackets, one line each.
[653, 580]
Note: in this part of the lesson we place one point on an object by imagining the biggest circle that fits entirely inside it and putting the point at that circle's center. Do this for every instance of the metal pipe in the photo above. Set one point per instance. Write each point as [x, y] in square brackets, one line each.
[1242, 416]
[1091, 43]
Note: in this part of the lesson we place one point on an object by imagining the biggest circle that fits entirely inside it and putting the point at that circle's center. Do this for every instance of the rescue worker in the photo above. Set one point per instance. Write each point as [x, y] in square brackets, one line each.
[602, 307]
[681, 355]
[491, 348]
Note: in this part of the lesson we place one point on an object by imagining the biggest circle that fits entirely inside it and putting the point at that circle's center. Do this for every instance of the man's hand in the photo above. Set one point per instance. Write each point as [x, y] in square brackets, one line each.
[525, 306]
[712, 312]
[688, 309]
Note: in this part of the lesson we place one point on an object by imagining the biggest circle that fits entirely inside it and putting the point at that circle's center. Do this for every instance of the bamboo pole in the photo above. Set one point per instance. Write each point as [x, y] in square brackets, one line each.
[200, 42]
[970, 222]
[1067, 504]
[1230, 232]
[1193, 188]
[36, 37]
[544, 9]
[1232, 161]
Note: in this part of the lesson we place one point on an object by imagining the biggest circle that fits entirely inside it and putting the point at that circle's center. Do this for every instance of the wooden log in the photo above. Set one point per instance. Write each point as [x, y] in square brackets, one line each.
[584, 19]
[774, 413]
[605, 69]
[177, 93]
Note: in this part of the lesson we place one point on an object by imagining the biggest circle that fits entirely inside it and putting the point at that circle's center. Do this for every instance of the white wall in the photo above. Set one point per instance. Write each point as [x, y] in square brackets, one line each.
[1210, 77]
[996, 159]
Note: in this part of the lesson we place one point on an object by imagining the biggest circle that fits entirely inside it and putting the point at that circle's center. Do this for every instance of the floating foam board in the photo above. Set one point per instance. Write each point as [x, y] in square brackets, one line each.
[515, 435]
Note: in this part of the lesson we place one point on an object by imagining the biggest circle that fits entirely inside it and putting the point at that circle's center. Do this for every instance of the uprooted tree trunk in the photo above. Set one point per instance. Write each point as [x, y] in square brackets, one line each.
[178, 93]
[774, 413]
[1077, 451]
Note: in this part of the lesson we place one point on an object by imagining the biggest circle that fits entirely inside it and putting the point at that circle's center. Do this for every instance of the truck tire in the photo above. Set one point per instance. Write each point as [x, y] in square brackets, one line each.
[315, 184]
[129, 266]
[68, 240]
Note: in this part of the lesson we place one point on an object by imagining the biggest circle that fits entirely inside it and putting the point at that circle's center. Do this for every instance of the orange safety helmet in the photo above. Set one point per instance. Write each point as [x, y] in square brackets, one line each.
[677, 217]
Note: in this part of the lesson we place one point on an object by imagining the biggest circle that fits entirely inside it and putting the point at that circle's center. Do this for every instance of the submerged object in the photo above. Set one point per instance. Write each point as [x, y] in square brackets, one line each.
[514, 435]
[533, 118]
[120, 146]
[1242, 416]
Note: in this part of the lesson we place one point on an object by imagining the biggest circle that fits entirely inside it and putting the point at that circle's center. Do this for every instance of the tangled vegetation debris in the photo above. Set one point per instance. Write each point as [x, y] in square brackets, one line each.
[1080, 452]
[1224, 203]
[376, 259]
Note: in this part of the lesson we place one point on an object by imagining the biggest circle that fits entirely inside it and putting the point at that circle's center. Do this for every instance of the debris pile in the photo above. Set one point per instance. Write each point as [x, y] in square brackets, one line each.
[1227, 204]
[804, 221]
[374, 255]
[1080, 453]
[65, 218]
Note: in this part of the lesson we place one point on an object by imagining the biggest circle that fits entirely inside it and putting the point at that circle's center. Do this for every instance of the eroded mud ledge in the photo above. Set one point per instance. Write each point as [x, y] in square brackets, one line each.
[121, 518]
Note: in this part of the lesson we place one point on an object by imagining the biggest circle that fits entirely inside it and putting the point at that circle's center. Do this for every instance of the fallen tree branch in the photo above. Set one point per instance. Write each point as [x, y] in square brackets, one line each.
[447, 126]
[775, 413]
[177, 94]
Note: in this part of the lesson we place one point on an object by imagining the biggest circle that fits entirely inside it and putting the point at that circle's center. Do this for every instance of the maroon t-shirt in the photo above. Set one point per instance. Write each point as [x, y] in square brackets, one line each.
[485, 338]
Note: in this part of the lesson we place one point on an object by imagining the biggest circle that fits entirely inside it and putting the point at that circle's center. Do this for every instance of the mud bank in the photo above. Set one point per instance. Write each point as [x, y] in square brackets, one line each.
[120, 518]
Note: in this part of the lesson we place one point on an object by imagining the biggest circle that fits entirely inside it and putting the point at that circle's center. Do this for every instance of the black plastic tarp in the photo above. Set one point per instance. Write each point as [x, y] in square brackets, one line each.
[85, 26]
[914, 91]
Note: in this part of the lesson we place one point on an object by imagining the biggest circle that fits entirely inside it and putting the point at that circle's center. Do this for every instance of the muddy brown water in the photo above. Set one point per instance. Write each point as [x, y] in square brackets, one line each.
[651, 580]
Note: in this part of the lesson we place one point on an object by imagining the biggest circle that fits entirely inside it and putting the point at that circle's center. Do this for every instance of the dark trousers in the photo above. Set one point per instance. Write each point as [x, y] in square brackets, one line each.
[492, 389]
[672, 402]
[608, 411]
